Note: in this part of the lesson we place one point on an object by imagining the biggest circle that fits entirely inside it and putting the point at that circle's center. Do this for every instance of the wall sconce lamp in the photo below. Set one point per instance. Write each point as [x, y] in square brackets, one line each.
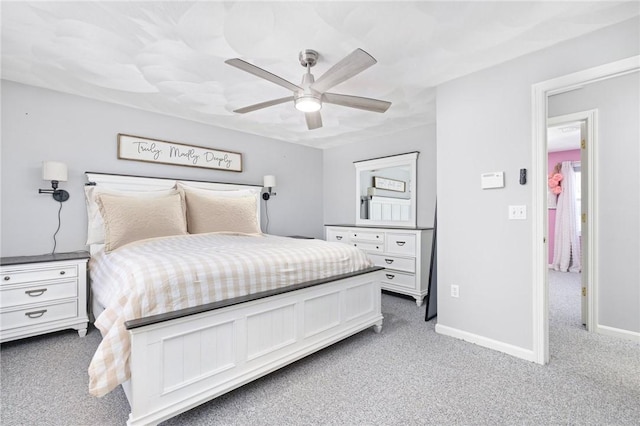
[269, 182]
[55, 172]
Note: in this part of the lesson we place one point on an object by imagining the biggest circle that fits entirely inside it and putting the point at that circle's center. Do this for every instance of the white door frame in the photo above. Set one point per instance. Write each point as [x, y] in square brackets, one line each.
[589, 265]
[540, 93]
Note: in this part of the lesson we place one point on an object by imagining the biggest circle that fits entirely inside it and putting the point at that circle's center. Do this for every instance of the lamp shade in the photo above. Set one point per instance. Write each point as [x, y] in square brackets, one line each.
[269, 181]
[54, 170]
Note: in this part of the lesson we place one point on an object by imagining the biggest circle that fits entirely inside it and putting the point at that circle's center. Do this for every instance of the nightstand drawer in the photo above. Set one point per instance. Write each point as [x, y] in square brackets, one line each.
[373, 237]
[399, 279]
[393, 262]
[17, 277]
[371, 247]
[336, 236]
[401, 244]
[36, 293]
[41, 314]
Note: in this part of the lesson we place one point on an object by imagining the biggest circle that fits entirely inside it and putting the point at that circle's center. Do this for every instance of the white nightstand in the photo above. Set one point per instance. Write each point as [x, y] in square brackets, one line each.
[40, 294]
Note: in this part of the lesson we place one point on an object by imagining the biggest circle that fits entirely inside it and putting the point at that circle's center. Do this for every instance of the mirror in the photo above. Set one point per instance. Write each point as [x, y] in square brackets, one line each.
[386, 191]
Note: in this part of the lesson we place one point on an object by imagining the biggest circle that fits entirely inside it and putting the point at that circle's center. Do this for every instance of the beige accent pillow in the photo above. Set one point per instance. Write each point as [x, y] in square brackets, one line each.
[129, 219]
[210, 213]
[95, 228]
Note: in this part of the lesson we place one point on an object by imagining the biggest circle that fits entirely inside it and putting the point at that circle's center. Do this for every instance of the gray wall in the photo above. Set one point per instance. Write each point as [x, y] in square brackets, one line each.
[618, 184]
[39, 124]
[340, 174]
[484, 125]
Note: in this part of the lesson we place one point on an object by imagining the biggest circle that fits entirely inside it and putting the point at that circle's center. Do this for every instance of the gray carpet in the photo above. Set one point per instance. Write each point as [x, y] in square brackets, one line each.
[408, 374]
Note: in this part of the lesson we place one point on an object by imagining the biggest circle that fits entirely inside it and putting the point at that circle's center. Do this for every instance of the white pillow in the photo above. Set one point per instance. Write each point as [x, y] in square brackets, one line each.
[129, 219]
[95, 224]
[218, 192]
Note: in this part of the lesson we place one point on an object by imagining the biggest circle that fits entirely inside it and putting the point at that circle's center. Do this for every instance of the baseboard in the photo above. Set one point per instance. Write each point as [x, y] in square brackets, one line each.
[518, 352]
[618, 332]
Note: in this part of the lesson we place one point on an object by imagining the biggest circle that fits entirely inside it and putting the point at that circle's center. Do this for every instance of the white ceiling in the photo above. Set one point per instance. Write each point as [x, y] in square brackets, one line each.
[168, 56]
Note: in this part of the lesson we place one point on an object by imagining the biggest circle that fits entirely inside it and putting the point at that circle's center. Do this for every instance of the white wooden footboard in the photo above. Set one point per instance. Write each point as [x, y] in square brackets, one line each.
[184, 362]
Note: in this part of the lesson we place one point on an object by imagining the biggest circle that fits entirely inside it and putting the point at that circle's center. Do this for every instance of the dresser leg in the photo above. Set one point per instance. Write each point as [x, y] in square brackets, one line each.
[82, 332]
[377, 328]
[419, 300]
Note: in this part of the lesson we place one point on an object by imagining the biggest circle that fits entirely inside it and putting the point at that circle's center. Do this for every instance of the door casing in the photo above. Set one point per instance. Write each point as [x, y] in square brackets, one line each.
[540, 92]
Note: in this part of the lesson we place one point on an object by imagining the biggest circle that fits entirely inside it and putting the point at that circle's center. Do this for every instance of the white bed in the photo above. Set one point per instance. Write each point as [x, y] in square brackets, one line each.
[207, 344]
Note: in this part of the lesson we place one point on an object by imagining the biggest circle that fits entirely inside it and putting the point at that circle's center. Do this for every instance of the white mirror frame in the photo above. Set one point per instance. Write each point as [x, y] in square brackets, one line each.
[409, 159]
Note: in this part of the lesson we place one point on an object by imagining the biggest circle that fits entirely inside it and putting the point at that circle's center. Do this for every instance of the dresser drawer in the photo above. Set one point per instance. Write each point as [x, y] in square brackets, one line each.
[43, 314]
[401, 244]
[26, 276]
[339, 236]
[399, 279]
[373, 237]
[370, 247]
[36, 293]
[394, 262]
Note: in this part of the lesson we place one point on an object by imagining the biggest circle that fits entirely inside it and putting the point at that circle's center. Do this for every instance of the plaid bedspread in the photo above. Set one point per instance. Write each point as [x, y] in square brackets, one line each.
[166, 274]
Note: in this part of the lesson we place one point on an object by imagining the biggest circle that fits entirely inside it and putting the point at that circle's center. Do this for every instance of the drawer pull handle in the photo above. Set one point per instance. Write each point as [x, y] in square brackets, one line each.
[338, 237]
[35, 293]
[390, 276]
[36, 314]
[62, 272]
[389, 261]
[400, 243]
[7, 278]
[377, 248]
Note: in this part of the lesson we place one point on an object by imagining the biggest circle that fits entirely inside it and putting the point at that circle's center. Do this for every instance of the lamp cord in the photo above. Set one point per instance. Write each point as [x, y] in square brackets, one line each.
[266, 213]
[55, 243]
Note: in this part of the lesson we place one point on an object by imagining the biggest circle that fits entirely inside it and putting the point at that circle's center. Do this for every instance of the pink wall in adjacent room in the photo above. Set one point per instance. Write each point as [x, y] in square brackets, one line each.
[555, 158]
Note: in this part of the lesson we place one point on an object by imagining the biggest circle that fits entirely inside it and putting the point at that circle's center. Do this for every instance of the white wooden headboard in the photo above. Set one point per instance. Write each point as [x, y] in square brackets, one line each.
[144, 183]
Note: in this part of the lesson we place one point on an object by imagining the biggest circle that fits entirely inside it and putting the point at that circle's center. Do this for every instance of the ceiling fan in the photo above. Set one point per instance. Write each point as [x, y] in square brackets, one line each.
[310, 94]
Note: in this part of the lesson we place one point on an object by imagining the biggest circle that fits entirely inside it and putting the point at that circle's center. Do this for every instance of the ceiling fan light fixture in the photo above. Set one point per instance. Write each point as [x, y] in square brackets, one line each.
[308, 103]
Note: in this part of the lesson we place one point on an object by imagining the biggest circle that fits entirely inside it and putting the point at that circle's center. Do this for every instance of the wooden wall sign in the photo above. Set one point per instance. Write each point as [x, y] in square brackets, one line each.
[157, 151]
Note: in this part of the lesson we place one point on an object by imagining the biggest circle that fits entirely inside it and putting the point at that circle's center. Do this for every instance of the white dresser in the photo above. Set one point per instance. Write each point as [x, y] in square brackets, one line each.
[405, 253]
[40, 294]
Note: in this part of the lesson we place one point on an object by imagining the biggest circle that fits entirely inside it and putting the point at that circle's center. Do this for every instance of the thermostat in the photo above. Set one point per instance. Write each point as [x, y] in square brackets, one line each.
[492, 180]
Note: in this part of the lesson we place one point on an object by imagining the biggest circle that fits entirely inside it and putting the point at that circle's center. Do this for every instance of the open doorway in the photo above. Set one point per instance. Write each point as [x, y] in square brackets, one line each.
[568, 305]
[610, 244]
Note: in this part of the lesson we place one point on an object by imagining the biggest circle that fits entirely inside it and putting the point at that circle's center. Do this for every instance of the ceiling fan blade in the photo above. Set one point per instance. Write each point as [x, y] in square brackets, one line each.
[259, 72]
[263, 105]
[352, 64]
[367, 104]
[314, 120]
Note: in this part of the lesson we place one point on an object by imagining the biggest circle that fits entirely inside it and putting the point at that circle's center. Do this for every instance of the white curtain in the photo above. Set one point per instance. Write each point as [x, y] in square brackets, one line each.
[566, 249]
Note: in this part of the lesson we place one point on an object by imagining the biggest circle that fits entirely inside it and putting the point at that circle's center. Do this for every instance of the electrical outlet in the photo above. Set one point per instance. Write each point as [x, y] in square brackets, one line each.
[455, 291]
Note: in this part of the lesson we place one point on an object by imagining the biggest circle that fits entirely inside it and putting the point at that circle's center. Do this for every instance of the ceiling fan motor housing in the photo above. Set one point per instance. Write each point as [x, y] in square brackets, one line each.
[308, 57]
